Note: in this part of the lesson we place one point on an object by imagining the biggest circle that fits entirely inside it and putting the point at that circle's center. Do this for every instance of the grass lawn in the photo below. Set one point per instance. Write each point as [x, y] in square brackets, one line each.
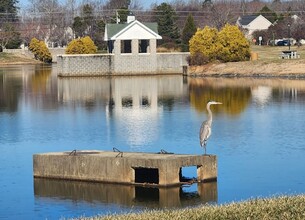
[271, 53]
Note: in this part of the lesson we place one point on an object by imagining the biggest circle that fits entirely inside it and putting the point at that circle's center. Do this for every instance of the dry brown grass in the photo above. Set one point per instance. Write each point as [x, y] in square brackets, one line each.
[7, 59]
[284, 207]
[269, 53]
[167, 50]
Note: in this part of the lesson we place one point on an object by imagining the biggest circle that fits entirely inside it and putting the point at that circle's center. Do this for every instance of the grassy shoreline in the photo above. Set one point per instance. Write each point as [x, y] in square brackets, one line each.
[15, 59]
[268, 65]
[282, 207]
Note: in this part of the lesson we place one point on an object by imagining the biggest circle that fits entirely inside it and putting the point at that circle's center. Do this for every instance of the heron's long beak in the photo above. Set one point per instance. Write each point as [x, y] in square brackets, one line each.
[219, 103]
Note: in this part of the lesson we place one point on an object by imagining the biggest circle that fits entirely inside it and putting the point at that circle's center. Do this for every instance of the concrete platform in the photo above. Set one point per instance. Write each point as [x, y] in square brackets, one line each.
[125, 167]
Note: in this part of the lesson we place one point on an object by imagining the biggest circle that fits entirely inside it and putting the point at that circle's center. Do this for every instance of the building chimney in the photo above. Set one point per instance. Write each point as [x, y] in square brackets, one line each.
[130, 17]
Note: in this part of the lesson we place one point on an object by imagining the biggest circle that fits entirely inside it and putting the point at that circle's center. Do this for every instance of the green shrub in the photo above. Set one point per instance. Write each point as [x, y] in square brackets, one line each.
[82, 45]
[15, 41]
[40, 51]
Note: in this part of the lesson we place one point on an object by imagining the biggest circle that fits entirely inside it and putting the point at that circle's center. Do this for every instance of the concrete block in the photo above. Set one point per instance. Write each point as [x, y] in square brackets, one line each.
[128, 168]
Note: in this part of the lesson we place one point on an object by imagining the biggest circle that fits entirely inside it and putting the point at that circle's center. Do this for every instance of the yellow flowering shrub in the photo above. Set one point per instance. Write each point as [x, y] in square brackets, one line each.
[234, 45]
[226, 45]
[205, 42]
[33, 46]
[82, 45]
[40, 50]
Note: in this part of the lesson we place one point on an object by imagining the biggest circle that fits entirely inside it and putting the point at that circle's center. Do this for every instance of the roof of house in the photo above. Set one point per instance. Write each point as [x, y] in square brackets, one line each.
[245, 20]
[113, 30]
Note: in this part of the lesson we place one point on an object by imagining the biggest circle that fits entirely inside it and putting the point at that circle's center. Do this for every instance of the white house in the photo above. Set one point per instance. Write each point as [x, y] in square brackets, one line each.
[252, 23]
[133, 36]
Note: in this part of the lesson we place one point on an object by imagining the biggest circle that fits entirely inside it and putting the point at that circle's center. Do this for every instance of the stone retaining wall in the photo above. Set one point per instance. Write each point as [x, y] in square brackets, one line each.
[171, 62]
[55, 52]
[24, 51]
[123, 64]
[83, 65]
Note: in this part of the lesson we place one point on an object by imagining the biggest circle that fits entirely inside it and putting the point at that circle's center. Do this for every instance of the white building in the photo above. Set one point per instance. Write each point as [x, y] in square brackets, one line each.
[132, 37]
[251, 23]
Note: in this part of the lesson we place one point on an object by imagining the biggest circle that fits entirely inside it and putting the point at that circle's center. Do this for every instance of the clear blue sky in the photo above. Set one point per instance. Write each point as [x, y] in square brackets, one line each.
[144, 3]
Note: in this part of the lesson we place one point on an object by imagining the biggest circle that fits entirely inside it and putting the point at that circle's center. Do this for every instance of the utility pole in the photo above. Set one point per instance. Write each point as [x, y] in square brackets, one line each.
[289, 36]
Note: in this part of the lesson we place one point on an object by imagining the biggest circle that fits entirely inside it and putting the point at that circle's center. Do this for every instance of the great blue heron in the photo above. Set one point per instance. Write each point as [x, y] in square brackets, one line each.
[206, 126]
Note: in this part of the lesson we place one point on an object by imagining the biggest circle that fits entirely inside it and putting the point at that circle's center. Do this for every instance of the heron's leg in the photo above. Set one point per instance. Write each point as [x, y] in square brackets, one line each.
[205, 148]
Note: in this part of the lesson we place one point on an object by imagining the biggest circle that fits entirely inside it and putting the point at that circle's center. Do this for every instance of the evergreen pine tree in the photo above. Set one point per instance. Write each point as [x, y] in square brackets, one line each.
[188, 31]
[165, 16]
[269, 14]
[8, 16]
[8, 10]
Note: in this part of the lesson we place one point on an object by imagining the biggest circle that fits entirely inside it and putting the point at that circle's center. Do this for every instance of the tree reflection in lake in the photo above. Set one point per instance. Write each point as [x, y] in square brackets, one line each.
[237, 93]
[10, 89]
[234, 99]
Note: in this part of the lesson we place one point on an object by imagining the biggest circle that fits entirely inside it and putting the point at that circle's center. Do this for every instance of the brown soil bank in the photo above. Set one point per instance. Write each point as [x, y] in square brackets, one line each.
[279, 68]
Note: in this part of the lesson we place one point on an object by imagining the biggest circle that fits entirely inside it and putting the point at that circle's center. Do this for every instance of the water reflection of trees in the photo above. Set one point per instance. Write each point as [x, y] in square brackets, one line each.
[10, 88]
[42, 86]
[40, 78]
[234, 98]
[34, 82]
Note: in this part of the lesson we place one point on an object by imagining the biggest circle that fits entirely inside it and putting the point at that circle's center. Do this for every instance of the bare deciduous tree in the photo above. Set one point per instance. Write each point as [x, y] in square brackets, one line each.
[223, 12]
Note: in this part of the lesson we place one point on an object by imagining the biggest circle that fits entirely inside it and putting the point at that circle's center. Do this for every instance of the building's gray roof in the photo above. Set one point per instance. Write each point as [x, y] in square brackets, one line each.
[113, 29]
[245, 20]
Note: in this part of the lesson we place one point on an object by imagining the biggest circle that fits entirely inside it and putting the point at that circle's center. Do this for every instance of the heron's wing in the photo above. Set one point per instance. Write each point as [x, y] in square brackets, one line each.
[205, 132]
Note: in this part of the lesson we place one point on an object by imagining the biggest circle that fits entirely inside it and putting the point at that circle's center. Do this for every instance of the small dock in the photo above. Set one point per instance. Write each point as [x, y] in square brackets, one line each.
[160, 169]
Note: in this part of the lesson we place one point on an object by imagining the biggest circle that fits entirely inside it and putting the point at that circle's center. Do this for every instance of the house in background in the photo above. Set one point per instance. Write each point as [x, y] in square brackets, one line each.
[132, 37]
[132, 49]
[251, 23]
[133, 44]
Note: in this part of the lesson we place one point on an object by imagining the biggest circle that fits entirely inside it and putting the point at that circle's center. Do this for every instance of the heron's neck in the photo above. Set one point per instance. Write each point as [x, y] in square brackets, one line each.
[210, 118]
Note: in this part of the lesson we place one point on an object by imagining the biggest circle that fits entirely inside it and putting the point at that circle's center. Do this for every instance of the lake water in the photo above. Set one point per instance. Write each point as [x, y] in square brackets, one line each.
[258, 136]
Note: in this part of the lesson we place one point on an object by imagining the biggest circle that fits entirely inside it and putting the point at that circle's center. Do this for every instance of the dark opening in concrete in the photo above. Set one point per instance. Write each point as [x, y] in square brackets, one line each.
[146, 175]
[187, 174]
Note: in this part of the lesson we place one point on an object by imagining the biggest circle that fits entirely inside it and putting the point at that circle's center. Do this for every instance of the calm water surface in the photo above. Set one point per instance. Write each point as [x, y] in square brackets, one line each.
[258, 136]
